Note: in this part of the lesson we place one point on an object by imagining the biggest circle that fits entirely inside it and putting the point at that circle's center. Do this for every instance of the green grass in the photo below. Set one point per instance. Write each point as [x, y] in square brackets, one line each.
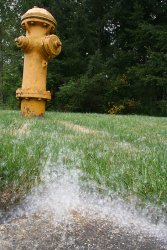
[122, 154]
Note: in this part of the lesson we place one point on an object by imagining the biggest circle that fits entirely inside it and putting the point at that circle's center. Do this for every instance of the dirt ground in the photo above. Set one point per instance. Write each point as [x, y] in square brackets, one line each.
[40, 233]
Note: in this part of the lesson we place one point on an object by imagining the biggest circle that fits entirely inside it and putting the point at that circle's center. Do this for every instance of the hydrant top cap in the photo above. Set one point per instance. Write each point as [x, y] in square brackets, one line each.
[39, 13]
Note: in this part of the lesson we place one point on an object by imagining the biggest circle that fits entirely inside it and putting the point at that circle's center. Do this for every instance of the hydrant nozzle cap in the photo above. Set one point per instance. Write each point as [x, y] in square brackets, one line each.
[40, 14]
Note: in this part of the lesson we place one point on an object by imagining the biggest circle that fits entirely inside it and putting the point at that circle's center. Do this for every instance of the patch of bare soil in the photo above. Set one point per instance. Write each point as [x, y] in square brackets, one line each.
[6, 197]
[79, 128]
[23, 129]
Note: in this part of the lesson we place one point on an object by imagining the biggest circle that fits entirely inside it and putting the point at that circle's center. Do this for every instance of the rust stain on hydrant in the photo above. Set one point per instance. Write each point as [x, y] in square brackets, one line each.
[39, 46]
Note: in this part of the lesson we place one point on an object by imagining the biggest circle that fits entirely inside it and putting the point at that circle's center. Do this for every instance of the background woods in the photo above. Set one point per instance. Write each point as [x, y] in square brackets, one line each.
[114, 56]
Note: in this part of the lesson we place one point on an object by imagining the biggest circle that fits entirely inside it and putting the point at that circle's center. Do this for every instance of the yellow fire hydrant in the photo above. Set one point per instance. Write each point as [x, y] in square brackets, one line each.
[39, 46]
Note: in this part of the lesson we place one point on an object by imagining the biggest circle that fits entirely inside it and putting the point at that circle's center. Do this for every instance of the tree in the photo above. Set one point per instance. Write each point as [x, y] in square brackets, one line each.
[139, 54]
[114, 54]
[10, 59]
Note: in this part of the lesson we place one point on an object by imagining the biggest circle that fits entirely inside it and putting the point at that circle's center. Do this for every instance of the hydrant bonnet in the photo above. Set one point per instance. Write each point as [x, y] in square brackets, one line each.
[39, 14]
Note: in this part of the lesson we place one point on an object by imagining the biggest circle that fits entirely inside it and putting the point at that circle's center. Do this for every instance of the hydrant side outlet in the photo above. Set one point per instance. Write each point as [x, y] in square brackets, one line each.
[39, 45]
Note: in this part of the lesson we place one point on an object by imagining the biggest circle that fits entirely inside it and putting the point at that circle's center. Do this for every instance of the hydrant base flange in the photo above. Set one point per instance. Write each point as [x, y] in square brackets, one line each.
[33, 107]
[28, 93]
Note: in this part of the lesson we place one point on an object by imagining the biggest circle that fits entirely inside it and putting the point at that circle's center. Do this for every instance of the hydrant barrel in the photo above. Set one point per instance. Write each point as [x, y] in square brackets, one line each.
[39, 46]
[34, 71]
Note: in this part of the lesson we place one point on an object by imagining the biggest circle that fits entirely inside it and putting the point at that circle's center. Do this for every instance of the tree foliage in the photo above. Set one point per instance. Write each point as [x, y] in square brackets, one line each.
[114, 56]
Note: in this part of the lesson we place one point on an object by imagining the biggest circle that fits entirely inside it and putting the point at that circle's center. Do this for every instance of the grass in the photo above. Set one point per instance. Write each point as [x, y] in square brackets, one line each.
[122, 154]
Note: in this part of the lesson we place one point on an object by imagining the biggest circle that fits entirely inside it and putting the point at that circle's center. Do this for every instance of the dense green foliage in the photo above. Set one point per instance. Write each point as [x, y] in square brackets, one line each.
[114, 56]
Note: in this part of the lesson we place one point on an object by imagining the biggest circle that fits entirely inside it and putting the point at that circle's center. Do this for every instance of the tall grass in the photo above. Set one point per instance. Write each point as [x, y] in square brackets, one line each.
[122, 154]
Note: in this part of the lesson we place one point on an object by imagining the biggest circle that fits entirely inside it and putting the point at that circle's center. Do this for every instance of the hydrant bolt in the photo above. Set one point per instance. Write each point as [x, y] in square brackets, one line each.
[39, 45]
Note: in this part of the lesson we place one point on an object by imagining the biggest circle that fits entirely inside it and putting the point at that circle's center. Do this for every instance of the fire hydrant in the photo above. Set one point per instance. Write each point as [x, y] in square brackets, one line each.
[39, 46]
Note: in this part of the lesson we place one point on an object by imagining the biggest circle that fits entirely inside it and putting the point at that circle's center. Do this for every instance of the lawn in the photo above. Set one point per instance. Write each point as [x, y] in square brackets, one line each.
[125, 155]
